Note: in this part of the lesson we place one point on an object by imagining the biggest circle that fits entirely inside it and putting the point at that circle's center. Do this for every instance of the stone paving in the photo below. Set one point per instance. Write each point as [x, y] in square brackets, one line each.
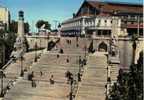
[49, 65]
[92, 86]
[12, 72]
[94, 79]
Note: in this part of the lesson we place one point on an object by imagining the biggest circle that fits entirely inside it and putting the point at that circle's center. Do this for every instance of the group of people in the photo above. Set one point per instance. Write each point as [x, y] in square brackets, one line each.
[33, 82]
[69, 77]
[82, 62]
[70, 80]
[31, 78]
[68, 41]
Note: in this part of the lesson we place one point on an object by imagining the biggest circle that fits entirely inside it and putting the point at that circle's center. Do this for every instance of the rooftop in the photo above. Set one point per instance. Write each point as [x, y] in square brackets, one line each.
[110, 7]
[116, 2]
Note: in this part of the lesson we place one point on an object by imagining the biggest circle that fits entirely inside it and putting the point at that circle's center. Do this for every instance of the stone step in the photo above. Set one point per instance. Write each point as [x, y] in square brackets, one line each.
[90, 97]
[43, 89]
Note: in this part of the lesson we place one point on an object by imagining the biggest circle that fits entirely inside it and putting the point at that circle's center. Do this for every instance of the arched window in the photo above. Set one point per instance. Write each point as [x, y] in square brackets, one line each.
[102, 47]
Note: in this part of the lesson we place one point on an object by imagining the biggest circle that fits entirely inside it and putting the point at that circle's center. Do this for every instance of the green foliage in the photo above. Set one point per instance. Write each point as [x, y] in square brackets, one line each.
[10, 40]
[134, 37]
[42, 22]
[7, 40]
[26, 44]
[129, 85]
[51, 44]
[27, 27]
[91, 49]
[2, 33]
[14, 27]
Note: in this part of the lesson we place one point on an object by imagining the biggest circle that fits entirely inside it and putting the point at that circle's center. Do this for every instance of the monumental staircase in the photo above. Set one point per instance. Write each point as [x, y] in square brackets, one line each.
[94, 74]
[49, 64]
[94, 79]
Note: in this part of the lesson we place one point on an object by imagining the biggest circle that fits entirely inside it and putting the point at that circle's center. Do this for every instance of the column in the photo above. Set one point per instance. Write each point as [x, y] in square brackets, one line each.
[83, 27]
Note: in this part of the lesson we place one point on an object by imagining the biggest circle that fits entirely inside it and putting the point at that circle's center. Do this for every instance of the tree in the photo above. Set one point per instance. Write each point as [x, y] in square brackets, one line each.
[91, 49]
[14, 27]
[7, 41]
[129, 85]
[40, 23]
[2, 47]
[134, 45]
[26, 27]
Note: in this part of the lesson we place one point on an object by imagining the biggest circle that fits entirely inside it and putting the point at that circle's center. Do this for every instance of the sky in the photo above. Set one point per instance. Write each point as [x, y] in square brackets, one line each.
[50, 10]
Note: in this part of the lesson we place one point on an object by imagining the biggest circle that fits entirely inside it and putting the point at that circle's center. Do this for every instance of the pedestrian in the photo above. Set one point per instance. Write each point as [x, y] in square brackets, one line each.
[68, 75]
[4, 75]
[70, 42]
[33, 83]
[84, 61]
[41, 73]
[61, 51]
[71, 80]
[80, 61]
[76, 38]
[30, 76]
[67, 41]
[77, 45]
[52, 79]
[71, 96]
[79, 77]
[57, 55]
[67, 60]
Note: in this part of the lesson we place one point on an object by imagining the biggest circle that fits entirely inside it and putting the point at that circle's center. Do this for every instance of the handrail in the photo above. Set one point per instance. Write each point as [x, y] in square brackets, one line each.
[8, 63]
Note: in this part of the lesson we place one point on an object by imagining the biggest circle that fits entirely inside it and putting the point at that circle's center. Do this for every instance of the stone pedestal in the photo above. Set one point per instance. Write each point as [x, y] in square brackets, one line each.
[20, 46]
[93, 35]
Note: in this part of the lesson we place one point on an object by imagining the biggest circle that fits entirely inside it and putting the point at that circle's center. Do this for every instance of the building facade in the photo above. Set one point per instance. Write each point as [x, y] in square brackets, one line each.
[111, 26]
[105, 19]
[4, 18]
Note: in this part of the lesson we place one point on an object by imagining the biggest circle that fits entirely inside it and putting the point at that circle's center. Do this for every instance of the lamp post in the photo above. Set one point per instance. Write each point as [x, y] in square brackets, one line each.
[47, 41]
[106, 86]
[71, 94]
[35, 52]
[1, 76]
[71, 88]
[21, 64]
[134, 46]
[85, 48]
[79, 63]
[138, 26]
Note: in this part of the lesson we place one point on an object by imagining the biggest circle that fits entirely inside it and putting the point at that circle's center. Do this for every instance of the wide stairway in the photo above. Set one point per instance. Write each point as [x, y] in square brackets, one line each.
[92, 86]
[49, 64]
[12, 72]
[94, 79]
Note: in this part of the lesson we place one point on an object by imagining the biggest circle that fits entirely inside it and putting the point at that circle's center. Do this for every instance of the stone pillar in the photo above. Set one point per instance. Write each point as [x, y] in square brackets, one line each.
[83, 27]
[94, 35]
[59, 30]
[21, 24]
[20, 45]
[114, 26]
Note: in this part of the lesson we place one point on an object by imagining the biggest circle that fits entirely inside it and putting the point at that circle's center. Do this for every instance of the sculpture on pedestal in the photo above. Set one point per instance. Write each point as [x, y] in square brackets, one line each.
[113, 47]
[20, 46]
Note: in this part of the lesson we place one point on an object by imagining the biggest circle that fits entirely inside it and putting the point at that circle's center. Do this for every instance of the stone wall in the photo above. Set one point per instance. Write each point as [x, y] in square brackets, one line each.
[125, 49]
[41, 41]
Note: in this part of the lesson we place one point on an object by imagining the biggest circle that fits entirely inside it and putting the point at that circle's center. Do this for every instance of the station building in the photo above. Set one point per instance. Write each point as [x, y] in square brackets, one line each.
[105, 19]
